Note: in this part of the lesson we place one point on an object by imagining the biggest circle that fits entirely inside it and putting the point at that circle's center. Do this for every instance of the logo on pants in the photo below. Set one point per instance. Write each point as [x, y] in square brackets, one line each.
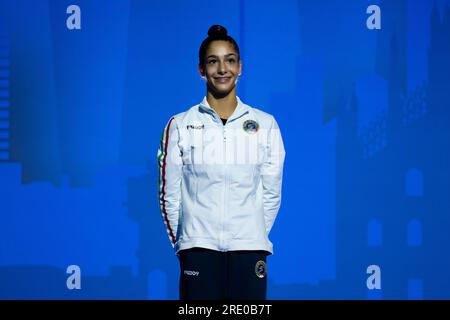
[261, 269]
[191, 273]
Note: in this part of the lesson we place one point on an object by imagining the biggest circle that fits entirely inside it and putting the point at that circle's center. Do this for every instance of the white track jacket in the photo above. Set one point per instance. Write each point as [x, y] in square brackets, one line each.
[220, 185]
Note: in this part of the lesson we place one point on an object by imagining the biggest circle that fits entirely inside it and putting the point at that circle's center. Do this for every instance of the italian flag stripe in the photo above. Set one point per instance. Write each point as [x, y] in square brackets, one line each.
[162, 178]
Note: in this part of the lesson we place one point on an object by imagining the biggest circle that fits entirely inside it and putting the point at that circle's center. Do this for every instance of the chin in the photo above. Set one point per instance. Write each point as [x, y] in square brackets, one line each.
[223, 91]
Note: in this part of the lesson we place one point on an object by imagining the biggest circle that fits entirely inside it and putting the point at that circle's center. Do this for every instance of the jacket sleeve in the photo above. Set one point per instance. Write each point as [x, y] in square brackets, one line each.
[170, 164]
[272, 175]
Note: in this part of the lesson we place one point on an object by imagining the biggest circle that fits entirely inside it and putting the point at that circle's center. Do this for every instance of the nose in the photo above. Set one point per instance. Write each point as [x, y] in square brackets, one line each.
[222, 68]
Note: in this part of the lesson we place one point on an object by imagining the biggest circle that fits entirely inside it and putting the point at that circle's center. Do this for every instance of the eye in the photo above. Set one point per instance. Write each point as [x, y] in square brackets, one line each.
[211, 61]
[231, 60]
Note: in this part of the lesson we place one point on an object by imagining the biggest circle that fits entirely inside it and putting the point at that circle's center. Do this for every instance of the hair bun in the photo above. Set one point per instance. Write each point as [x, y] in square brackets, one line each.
[217, 30]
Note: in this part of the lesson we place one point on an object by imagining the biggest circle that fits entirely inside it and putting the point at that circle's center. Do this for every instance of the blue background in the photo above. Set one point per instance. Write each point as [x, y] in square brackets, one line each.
[364, 116]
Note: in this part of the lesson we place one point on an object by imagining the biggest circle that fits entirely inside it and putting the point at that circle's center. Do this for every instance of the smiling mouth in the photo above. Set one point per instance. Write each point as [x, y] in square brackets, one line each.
[223, 79]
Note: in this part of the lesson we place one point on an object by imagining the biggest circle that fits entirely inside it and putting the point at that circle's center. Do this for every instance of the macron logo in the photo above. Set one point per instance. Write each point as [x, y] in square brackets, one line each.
[191, 273]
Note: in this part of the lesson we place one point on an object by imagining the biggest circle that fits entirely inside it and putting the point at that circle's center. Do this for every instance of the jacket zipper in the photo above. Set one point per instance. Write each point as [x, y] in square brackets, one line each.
[225, 185]
[225, 173]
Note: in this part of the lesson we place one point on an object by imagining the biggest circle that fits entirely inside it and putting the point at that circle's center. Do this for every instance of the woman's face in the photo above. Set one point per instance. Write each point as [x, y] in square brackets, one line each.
[222, 67]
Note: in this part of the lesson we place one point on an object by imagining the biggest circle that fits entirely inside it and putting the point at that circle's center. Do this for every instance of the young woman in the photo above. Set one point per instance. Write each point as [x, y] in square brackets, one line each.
[221, 165]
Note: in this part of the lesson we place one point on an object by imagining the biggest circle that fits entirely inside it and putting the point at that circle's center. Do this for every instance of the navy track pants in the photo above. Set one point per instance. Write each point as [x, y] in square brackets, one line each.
[233, 275]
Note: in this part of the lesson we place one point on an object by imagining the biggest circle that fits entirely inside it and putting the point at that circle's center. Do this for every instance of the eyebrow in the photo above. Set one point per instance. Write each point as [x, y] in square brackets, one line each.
[214, 56]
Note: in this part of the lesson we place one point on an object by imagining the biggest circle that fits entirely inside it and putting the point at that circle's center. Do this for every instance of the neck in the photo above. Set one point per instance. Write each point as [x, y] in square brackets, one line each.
[223, 105]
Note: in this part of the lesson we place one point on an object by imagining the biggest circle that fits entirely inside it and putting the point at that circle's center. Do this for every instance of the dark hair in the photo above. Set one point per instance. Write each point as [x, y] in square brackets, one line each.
[215, 32]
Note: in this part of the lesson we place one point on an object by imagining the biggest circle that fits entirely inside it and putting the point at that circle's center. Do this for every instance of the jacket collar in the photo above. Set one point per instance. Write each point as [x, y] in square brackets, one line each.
[240, 110]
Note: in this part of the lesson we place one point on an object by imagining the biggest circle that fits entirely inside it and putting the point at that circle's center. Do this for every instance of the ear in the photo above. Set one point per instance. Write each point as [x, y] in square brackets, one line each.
[240, 66]
[200, 69]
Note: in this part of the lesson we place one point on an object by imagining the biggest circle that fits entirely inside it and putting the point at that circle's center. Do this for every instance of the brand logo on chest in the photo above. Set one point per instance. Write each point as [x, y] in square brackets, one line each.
[250, 126]
[195, 126]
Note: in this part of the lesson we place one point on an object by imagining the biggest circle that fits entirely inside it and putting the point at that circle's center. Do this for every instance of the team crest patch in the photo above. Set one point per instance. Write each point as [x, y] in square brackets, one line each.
[250, 126]
[260, 269]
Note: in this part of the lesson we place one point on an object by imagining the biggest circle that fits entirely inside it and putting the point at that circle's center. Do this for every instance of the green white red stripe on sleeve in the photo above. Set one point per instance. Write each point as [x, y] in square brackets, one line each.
[162, 184]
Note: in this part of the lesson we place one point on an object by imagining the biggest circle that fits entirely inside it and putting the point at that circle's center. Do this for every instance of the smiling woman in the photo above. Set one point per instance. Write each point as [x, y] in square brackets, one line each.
[220, 65]
[218, 214]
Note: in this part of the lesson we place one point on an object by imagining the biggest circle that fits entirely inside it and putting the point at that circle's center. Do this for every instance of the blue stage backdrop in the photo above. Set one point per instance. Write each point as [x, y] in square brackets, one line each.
[361, 91]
